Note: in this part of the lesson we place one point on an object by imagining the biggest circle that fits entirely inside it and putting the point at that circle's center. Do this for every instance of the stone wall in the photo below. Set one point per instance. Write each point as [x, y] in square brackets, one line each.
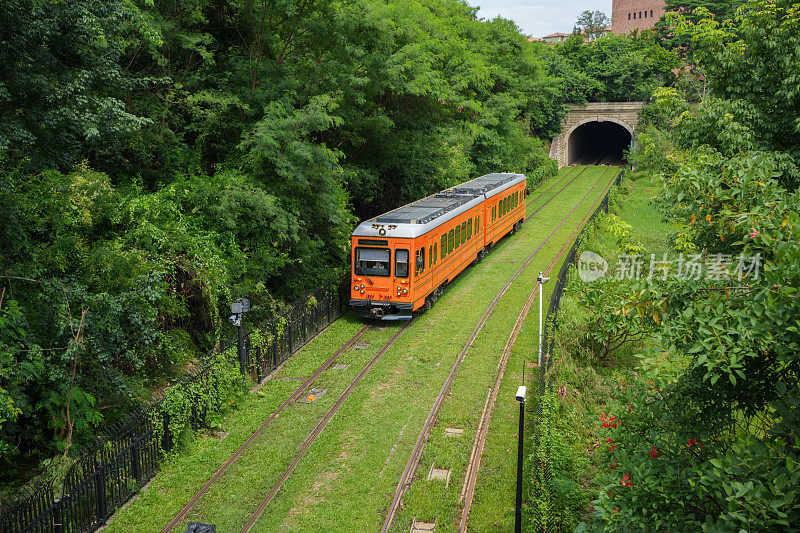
[626, 114]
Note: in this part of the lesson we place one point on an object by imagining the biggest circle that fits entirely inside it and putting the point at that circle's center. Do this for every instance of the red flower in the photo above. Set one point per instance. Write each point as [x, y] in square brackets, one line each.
[609, 422]
[616, 510]
[692, 442]
[653, 453]
[754, 233]
[625, 481]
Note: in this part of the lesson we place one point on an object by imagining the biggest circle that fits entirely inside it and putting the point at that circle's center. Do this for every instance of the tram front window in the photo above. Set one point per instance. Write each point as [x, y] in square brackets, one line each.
[373, 262]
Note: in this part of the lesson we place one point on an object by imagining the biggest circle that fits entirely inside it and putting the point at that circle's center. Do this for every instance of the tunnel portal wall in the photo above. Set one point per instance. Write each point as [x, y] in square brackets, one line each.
[625, 114]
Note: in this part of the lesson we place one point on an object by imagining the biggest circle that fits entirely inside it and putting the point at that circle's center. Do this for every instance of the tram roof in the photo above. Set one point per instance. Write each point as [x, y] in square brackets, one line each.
[421, 216]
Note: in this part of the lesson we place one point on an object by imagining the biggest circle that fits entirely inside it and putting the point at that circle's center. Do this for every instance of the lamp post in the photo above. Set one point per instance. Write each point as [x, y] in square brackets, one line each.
[541, 280]
[238, 308]
[518, 511]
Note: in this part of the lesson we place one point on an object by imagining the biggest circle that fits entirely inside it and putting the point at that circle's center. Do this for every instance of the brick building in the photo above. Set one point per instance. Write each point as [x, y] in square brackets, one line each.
[627, 15]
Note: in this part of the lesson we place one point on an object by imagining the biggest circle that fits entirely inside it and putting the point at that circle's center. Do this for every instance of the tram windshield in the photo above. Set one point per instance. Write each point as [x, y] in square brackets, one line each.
[373, 262]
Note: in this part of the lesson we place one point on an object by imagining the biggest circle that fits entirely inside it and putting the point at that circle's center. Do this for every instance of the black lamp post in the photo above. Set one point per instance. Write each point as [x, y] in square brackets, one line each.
[518, 513]
[238, 308]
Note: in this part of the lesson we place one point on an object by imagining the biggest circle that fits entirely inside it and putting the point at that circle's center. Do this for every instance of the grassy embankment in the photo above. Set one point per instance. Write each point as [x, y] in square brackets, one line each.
[347, 477]
[582, 384]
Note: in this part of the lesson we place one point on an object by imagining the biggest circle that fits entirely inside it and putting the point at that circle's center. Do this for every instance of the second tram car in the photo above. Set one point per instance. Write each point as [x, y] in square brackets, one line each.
[403, 259]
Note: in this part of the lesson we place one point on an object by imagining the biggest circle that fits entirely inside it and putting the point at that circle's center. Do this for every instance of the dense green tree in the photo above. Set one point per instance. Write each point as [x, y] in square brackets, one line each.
[161, 158]
[618, 68]
[711, 442]
[61, 83]
[694, 11]
[592, 24]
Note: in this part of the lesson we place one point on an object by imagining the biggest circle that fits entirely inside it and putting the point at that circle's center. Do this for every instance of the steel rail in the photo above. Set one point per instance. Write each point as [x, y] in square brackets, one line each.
[416, 453]
[314, 433]
[296, 395]
[470, 478]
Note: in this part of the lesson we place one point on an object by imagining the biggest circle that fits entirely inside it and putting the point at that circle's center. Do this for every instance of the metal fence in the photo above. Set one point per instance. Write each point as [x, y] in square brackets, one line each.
[107, 473]
[541, 460]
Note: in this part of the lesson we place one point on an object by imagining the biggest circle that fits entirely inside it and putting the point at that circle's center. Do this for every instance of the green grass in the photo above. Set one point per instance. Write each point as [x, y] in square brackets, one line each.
[588, 388]
[637, 209]
[348, 476]
[427, 500]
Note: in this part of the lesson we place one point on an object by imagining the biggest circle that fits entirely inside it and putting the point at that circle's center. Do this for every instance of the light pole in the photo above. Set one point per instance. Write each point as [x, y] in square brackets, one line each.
[238, 308]
[542, 280]
[518, 512]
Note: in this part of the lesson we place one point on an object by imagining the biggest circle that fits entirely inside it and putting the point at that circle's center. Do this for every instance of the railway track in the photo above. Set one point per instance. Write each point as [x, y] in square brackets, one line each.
[294, 397]
[473, 466]
[416, 454]
[314, 433]
[305, 386]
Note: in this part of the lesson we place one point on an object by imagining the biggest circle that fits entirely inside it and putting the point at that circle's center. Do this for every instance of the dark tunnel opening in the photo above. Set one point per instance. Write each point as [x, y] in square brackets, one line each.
[598, 142]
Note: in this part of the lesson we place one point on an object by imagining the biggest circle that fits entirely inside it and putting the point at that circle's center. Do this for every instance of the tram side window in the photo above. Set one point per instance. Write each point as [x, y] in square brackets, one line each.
[477, 224]
[450, 241]
[469, 228]
[374, 262]
[401, 263]
[464, 231]
[458, 237]
[444, 245]
[434, 253]
[430, 255]
[419, 262]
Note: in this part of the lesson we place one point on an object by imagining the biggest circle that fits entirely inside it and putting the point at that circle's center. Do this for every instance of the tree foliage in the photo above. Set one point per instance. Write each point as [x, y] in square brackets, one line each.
[592, 24]
[617, 68]
[711, 441]
[159, 159]
[693, 11]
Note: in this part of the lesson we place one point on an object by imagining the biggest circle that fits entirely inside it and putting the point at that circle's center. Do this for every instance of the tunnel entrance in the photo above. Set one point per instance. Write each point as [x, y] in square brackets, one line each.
[597, 142]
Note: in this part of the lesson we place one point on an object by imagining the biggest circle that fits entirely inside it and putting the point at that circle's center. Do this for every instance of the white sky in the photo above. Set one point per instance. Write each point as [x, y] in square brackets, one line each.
[540, 17]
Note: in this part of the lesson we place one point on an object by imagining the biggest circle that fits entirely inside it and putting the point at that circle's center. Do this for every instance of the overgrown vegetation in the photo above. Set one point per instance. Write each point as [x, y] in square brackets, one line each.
[615, 68]
[160, 159]
[704, 434]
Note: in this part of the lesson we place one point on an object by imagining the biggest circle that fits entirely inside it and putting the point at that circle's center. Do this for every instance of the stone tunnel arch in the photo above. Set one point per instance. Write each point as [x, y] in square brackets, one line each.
[591, 140]
[624, 116]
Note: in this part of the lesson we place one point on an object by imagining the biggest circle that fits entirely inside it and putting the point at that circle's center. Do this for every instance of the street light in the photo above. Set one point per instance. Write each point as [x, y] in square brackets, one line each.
[518, 514]
[542, 280]
[238, 308]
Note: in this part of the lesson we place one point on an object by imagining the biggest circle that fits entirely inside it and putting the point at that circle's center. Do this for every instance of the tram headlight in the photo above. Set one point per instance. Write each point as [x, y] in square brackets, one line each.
[362, 285]
[356, 288]
[405, 291]
[362, 291]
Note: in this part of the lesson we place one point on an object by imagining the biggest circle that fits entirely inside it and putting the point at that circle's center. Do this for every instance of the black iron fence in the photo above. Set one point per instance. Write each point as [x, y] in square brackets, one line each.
[541, 471]
[106, 474]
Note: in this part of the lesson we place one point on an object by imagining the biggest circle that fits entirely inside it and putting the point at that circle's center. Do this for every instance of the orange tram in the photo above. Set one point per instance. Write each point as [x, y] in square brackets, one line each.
[403, 259]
